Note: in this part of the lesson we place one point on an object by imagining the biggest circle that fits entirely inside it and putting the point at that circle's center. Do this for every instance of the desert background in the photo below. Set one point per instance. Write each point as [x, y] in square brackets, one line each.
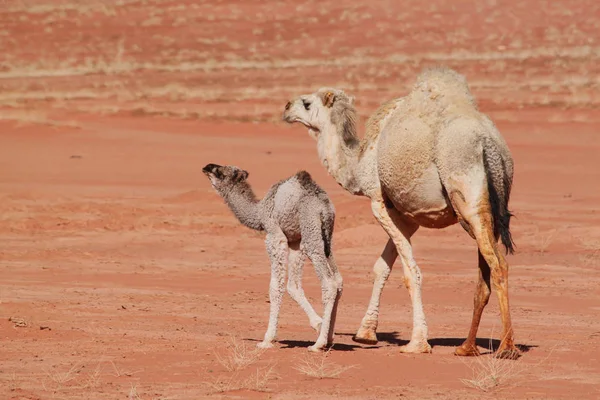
[124, 276]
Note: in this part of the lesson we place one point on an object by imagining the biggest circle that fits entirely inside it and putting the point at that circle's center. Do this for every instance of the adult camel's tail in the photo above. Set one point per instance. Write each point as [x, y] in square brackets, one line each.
[499, 184]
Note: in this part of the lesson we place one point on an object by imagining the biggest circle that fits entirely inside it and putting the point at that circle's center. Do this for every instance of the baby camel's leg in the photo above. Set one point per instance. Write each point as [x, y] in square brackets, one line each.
[277, 248]
[339, 283]
[294, 286]
[331, 286]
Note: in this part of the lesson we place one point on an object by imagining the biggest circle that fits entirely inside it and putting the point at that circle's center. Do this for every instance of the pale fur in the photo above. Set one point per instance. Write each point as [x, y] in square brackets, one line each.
[427, 159]
[298, 219]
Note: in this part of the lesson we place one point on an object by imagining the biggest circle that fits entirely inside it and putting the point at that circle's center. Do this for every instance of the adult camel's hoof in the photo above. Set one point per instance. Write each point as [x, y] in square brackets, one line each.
[365, 336]
[316, 349]
[510, 353]
[466, 350]
[265, 345]
[416, 347]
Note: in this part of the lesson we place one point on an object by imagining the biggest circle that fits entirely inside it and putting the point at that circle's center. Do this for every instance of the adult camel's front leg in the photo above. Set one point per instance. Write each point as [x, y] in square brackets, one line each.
[367, 333]
[400, 232]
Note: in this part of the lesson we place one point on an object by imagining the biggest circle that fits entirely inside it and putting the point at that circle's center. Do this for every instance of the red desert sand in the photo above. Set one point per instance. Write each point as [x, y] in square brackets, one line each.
[125, 276]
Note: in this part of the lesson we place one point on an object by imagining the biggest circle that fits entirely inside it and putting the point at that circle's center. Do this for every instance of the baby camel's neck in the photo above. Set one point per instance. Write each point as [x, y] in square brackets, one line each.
[245, 206]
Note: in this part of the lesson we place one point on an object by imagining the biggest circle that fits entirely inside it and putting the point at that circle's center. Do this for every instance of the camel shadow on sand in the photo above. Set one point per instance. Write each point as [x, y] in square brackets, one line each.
[486, 343]
[393, 339]
[291, 344]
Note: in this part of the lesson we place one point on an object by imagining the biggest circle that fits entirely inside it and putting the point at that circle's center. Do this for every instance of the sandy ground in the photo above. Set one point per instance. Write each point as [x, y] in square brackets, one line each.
[124, 276]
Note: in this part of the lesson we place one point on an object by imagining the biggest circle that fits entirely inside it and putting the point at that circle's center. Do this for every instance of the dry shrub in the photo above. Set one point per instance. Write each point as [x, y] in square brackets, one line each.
[593, 251]
[545, 239]
[317, 366]
[239, 355]
[72, 379]
[258, 381]
[491, 374]
[18, 322]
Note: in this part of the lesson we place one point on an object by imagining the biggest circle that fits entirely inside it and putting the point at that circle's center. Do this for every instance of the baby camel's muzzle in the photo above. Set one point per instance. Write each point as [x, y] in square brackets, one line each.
[211, 169]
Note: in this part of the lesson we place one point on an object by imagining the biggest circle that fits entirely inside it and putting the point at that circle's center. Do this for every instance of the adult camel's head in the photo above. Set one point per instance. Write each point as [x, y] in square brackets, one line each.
[328, 111]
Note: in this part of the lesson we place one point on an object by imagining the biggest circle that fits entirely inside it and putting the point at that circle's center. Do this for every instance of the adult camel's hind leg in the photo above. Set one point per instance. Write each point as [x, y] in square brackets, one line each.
[472, 204]
[482, 296]
[294, 286]
[367, 332]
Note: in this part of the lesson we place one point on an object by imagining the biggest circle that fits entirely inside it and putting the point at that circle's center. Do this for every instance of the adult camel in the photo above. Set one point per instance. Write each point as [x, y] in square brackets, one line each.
[428, 159]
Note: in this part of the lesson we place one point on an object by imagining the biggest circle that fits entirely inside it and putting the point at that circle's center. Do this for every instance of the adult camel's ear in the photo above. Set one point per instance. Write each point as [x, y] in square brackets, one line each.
[328, 99]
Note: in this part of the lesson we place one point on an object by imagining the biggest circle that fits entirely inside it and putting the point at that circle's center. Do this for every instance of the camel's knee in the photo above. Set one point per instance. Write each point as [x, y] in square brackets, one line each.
[293, 289]
[381, 269]
[496, 263]
[482, 296]
[330, 289]
[413, 273]
[500, 278]
[406, 280]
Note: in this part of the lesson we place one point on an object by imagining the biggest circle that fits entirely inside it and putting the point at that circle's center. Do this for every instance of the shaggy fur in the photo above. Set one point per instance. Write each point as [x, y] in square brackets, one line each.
[298, 218]
[428, 159]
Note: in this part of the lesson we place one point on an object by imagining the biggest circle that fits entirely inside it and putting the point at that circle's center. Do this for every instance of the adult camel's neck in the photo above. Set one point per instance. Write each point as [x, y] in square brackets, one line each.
[342, 158]
[244, 205]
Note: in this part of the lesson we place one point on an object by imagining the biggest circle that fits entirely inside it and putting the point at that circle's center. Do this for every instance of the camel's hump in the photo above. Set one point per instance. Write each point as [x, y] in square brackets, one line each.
[304, 178]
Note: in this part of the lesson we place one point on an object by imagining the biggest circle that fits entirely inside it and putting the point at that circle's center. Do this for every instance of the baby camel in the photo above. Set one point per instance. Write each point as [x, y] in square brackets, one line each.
[298, 218]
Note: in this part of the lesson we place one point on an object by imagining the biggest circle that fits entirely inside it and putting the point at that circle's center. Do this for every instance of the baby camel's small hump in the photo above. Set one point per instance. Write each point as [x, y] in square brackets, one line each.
[299, 199]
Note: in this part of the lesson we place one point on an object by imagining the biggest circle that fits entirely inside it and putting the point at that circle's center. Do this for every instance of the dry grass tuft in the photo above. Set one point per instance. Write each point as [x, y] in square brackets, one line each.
[18, 322]
[317, 366]
[133, 393]
[489, 372]
[120, 372]
[545, 239]
[593, 248]
[73, 379]
[239, 355]
[258, 381]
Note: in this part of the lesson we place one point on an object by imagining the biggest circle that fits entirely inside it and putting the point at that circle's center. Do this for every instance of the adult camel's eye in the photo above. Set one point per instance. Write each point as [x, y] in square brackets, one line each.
[306, 104]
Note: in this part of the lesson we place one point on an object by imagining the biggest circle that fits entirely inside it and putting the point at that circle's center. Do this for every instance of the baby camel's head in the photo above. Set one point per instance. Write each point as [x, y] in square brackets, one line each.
[224, 177]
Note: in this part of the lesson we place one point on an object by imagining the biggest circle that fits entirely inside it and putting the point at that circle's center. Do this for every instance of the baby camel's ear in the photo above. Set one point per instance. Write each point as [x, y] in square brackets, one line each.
[239, 175]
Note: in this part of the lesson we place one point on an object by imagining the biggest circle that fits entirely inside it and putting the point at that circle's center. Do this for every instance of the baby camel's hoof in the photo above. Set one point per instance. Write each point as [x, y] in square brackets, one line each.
[265, 345]
[416, 347]
[508, 354]
[365, 337]
[466, 351]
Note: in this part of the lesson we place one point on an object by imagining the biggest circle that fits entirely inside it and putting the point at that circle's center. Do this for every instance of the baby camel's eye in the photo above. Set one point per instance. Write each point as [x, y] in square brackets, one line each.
[306, 104]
